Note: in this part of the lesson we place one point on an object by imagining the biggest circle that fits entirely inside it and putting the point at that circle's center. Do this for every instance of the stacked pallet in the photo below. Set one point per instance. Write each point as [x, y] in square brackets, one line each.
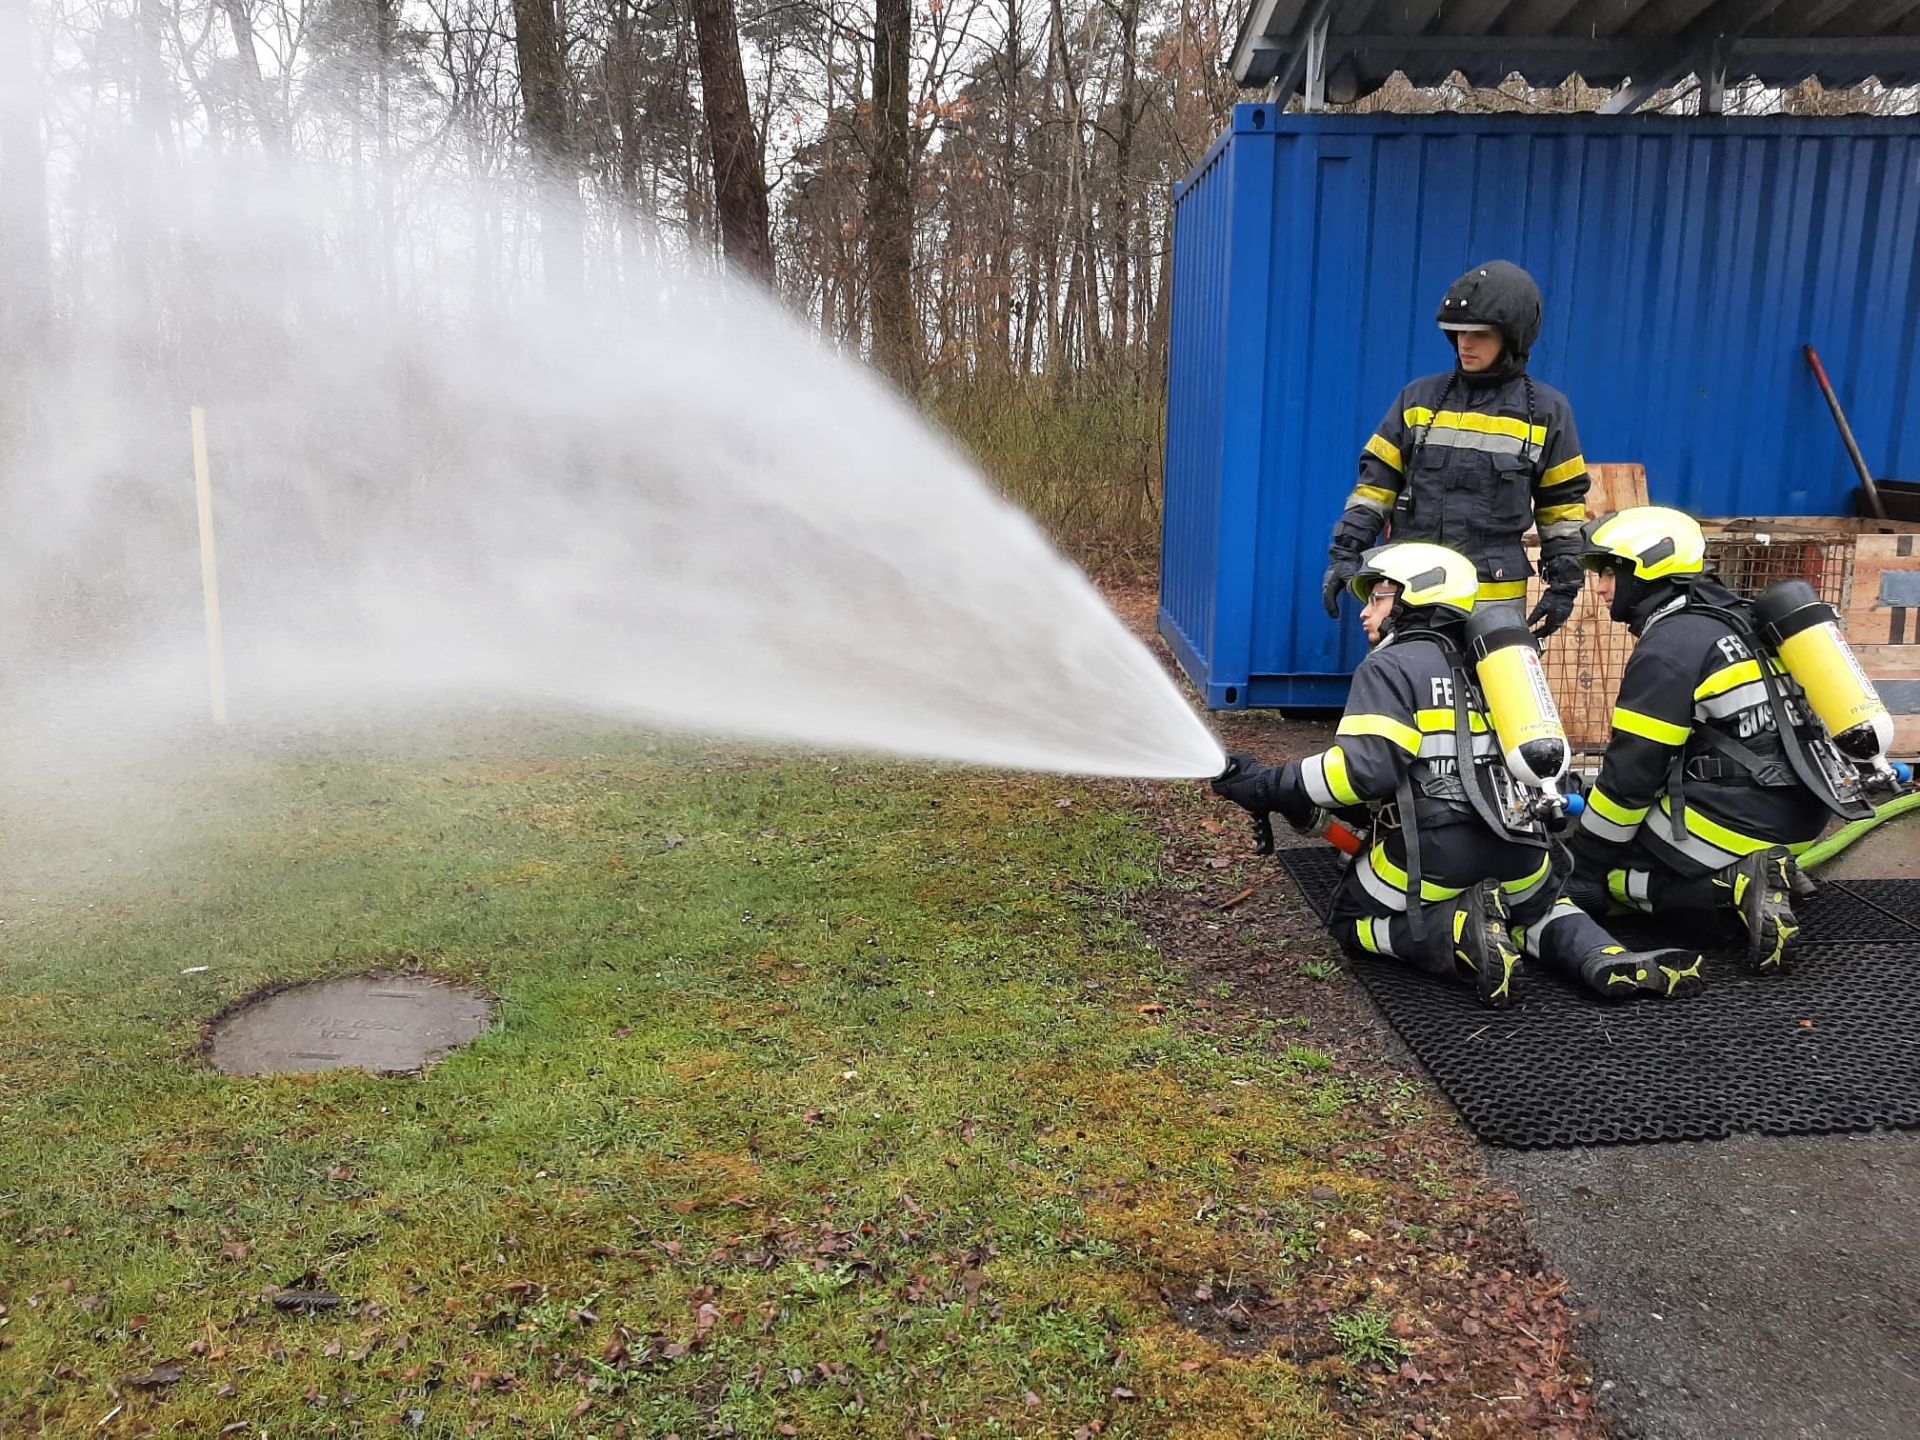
[1869, 570]
[1585, 658]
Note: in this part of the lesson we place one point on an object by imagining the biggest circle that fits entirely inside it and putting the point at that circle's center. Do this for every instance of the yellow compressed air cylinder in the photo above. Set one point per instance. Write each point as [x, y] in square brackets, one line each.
[1506, 657]
[1802, 629]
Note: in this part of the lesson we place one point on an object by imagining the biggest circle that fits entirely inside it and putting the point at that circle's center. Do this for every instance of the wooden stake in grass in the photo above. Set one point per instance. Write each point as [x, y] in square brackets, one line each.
[209, 570]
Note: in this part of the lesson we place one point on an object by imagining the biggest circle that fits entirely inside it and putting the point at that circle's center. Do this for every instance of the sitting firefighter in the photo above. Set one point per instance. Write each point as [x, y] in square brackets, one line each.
[1448, 882]
[1717, 774]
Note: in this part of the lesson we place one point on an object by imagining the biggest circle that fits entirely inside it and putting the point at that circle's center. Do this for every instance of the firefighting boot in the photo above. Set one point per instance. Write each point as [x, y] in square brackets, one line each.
[1483, 946]
[1759, 888]
[1616, 973]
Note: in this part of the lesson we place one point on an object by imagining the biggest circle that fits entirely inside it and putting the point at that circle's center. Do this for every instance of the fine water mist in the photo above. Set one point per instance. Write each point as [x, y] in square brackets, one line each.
[439, 482]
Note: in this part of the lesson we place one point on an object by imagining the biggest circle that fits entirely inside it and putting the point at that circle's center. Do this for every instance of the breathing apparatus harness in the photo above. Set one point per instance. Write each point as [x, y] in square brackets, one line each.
[1488, 783]
[1812, 758]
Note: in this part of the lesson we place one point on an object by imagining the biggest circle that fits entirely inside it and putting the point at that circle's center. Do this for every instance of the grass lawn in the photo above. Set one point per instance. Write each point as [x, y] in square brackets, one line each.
[822, 1099]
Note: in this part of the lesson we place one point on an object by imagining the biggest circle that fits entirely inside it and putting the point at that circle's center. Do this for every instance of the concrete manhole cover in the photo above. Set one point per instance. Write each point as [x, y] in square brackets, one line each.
[389, 1024]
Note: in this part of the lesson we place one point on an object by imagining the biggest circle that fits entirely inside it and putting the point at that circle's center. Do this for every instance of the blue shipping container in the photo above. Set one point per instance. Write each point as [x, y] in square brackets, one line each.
[1685, 264]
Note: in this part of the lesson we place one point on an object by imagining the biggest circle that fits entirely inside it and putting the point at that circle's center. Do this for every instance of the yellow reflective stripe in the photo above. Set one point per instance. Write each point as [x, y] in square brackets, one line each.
[1648, 727]
[1502, 589]
[1440, 722]
[1563, 472]
[1363, 929]
[1746, 672]
[1575, 513]
[1396, 877]
[1617, 887]
[1385, 726]
[1478, 423]
[1333, 764]
[1608, 808]
[1718, 835]
[1385, 450]
[1378, 494]
[1514, 887]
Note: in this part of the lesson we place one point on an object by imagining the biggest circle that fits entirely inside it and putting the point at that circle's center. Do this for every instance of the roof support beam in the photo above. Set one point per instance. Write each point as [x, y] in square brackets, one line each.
[1287, 79]
[1314, 97]
[1713, 81]
[1698, 48]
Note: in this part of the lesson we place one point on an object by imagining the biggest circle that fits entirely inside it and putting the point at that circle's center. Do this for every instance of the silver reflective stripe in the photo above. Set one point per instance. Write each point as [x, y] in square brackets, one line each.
[1478, 440]
[1637, 882]
[1378, 886]
[1313, 775]
[1376, 933]
[1744, 697]
[1367, 502]
[1562, 910]
[1598, 826]
[1445, 744]
[1522, 896]
[1560, 528]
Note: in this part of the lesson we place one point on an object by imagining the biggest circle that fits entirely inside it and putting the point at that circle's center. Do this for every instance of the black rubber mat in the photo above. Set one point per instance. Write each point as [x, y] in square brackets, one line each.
[1834, 1044]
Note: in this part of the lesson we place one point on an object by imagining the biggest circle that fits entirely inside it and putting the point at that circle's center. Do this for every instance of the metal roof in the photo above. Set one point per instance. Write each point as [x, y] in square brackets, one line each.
[1606, 42]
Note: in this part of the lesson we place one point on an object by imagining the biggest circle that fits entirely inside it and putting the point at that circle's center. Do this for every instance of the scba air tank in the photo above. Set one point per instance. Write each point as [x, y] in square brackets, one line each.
[1506, 658]
[1803, 630]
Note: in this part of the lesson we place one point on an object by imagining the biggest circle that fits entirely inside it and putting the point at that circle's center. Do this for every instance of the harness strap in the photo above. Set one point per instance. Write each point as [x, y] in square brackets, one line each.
[1791, 739]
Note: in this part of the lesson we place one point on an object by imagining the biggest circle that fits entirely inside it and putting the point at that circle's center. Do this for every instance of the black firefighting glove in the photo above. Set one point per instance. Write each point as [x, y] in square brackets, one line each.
[1266, 789]
[1564, 578]
[1345, 564]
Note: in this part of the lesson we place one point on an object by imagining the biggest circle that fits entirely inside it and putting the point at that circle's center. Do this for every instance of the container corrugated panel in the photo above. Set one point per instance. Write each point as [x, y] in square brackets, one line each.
[1685, 263]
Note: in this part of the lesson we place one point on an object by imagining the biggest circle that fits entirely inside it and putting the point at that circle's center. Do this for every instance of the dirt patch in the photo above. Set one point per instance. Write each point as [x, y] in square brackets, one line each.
[388, 1024]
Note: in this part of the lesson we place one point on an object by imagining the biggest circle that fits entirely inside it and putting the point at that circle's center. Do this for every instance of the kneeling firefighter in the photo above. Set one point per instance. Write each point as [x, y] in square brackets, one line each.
[1742, 725]
[1459, 867]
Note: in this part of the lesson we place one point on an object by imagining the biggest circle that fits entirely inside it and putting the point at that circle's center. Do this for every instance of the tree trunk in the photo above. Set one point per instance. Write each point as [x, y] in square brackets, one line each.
[26, 265]
[896, 340]
[733, 141]
[543, 96]
[272, 133]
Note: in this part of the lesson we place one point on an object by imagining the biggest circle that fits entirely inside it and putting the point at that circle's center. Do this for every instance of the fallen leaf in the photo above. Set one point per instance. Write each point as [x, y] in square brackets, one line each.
[236, 1250]
[1153, 1009]
[155, 1378]
[1121, 1392]
[309, 1300]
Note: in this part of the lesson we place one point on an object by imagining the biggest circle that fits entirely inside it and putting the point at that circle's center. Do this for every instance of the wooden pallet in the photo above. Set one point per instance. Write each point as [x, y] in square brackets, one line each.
[1869, 569]
[1584, 660]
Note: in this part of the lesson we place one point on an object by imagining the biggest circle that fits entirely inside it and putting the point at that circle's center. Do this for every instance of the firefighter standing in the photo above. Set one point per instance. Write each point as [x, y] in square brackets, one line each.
[1697, 812]
[1470, 457]
[1406, 752]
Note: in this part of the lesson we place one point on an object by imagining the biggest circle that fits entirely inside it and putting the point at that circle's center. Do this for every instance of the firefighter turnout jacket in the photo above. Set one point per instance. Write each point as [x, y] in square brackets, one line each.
[1694, 731]
[1470, 465]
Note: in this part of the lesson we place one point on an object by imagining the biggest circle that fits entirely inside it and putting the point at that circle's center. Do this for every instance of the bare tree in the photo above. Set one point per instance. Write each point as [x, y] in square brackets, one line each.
[889, 208]
[543, 92]
[734, 141]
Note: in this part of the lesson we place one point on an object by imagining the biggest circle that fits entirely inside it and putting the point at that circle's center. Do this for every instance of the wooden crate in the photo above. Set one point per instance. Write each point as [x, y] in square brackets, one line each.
[1585, 658]
[1869, 570]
